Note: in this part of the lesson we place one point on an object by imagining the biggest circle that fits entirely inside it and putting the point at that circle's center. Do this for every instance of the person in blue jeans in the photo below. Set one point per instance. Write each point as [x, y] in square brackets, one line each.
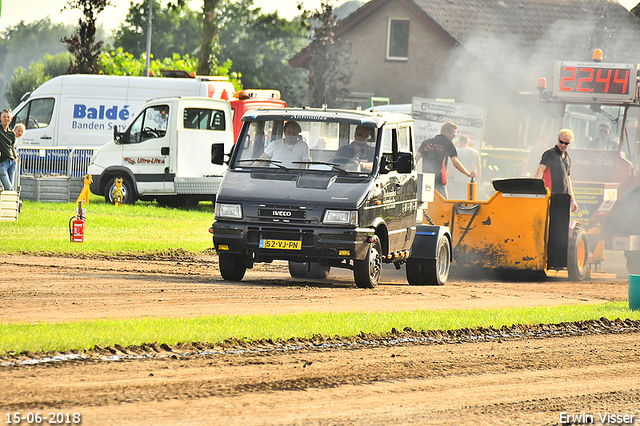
[8, 154]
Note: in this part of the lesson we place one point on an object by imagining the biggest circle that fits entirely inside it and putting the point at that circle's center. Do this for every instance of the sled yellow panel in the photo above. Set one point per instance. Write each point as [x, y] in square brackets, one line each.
[507, 231]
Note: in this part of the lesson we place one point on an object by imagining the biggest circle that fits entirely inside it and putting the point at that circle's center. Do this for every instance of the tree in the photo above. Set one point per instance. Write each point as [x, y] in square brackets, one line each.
[82, 45]
[328, 60]
[24, 43]
[24, 81]
[175, 28]
[206, 59]
[119, 62]
[259, 46]
[636, 10]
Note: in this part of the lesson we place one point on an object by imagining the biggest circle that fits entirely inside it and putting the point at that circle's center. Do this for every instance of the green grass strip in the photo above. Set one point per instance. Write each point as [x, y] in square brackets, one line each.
[45, 337]
[142, 227]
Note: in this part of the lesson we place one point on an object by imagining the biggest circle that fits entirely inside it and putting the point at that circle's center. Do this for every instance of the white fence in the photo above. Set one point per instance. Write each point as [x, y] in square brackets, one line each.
[54, 161]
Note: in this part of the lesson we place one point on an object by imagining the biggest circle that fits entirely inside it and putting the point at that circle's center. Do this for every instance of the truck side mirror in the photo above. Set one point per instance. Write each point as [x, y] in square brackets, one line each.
[217, 153]
[385, 165]
[405, 162]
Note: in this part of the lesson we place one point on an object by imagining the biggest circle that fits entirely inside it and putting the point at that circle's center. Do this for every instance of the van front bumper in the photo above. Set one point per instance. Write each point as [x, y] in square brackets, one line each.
[324, 245]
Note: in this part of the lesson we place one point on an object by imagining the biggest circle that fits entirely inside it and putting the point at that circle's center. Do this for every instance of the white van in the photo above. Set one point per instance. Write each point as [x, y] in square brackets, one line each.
[82, 110]
[165, 154]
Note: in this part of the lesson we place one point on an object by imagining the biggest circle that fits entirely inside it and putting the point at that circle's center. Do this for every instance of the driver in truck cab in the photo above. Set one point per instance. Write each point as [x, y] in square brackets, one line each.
[288, 149]
[359, 150]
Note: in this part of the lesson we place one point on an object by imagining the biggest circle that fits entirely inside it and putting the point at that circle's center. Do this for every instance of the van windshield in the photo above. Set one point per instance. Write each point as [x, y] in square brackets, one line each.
[311, 145]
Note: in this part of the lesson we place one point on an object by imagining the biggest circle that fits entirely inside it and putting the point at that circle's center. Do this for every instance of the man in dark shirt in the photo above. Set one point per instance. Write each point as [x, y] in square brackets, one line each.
[555, 167]
[7, 151]
[436, 151]
[359, 150]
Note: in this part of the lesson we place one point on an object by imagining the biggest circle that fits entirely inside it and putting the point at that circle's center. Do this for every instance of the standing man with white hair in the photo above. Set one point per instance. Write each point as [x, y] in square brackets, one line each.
[555, 165]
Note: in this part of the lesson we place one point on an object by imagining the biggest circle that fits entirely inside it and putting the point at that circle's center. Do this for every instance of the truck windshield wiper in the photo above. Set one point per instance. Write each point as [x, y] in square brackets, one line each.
[323, 163]
[262, 160]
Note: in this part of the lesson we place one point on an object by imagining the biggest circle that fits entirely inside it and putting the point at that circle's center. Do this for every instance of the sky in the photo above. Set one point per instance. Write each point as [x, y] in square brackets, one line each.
[32, 10]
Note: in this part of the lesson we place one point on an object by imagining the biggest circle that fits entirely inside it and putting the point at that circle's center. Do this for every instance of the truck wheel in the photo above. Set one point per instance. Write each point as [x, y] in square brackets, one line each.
[298, 269]
[319, 272]
[232, 266]
[578, 255]
[431, 271]
[303, 270]
[128, 193]
[633, 262]
[367, 272]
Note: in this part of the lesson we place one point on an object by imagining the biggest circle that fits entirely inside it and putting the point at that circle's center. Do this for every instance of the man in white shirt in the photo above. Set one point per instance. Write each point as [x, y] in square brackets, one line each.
[288, 149]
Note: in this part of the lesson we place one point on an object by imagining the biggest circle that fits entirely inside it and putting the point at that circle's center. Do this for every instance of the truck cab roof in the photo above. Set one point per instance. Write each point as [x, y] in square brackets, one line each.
[371, 118]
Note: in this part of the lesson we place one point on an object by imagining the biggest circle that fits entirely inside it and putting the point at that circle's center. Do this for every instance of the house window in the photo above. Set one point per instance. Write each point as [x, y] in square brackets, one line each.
[398, 39]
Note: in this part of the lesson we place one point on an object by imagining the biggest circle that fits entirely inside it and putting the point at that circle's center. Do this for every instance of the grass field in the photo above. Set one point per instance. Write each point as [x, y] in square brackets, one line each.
[146, 227]
[80, 335]
[142, 227]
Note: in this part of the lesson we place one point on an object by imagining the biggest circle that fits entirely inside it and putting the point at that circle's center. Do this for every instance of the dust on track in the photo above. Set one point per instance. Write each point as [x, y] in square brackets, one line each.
[518, 375]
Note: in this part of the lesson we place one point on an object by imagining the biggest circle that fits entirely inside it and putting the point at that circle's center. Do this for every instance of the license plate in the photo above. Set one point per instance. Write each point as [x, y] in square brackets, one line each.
[281, 244]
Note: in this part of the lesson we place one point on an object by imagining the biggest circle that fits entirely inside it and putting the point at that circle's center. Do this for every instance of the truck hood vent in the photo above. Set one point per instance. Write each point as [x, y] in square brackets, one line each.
[315, 181]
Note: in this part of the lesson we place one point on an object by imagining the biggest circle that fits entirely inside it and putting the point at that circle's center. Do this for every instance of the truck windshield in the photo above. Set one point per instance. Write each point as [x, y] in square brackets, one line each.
[281, 144]
[595, 126]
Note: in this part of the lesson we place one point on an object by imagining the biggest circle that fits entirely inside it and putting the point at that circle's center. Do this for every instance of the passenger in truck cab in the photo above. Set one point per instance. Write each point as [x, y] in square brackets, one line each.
[292, 147]
[603, 140]
[358, 151]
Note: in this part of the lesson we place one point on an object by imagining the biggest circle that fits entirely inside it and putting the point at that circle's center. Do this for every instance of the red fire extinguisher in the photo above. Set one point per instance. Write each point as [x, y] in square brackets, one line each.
[77, 225]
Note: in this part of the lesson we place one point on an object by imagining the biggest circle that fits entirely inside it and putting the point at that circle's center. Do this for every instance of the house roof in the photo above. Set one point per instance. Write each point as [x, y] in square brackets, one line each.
[521, 31]
[560, 25]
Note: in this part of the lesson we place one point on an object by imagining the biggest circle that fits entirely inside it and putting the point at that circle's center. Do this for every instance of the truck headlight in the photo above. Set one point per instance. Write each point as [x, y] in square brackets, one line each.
[228, 211]
[340, 217]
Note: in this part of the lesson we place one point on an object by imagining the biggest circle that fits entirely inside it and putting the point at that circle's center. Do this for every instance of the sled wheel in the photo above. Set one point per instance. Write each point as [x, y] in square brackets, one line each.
[578, 256]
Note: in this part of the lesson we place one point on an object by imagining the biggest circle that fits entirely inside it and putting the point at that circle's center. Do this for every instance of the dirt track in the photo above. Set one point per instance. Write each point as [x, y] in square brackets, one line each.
[496, 381]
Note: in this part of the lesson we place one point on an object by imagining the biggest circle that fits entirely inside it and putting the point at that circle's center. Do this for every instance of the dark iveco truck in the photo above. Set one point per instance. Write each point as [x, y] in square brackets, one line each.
[327, 188]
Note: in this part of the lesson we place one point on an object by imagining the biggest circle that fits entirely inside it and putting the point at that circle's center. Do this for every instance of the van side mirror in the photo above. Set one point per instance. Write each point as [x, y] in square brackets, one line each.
[217, 153]
[405, 162]
[118, 136]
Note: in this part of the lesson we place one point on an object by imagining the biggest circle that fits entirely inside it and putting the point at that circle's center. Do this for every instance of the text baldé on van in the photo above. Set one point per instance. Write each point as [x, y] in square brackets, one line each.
[81, 111]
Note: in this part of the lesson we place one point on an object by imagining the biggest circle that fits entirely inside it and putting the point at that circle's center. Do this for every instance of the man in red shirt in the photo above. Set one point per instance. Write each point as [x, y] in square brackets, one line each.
[436, 151]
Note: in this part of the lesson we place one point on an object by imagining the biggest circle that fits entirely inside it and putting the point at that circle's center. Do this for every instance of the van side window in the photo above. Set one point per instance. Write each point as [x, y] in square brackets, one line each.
[204, 119]
[36, 114]
[151, 124]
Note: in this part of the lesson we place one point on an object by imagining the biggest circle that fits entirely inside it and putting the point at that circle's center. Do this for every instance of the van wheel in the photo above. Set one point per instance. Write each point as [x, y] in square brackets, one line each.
[232, 266]
[128, 193]
[308, 270]
[578, 256]
[367, 272]
[431, 271]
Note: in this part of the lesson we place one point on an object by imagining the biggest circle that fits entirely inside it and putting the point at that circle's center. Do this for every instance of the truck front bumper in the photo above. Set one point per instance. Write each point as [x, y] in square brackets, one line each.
[324, 245]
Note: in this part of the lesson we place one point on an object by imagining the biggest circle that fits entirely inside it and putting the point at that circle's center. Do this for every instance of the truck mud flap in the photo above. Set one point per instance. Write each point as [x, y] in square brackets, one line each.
[425, 243]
